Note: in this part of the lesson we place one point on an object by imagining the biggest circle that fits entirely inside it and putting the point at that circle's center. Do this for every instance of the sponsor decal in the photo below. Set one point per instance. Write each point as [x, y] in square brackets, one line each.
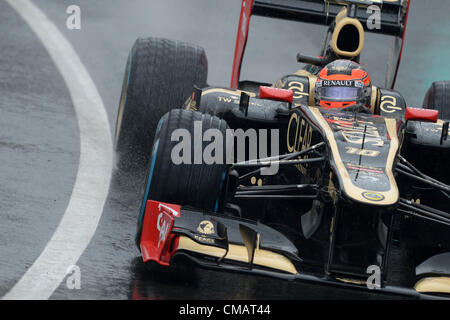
[370, 175]
[389, 104]
[299, 136]
[362, 152]
[352, 166]
[298, 88]
[354, 131]
[340, 83]
[164, 221]
[206, 227]
[167, 209]
[280, 84]
[372, 196]
[205, 239]
[158, 222]
[235, 100]
[162, 225]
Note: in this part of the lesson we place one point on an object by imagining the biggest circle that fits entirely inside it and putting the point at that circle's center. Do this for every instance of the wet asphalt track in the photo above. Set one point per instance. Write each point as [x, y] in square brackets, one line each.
[39, 144]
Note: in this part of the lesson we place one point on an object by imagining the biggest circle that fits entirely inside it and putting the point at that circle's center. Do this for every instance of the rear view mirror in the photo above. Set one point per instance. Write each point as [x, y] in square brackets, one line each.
[276, 94]
[419, 114]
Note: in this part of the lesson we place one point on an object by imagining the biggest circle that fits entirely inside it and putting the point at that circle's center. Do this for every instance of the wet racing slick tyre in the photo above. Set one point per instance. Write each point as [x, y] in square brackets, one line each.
[199, 184]
[160, 75]
[438, 98]
[427, 153]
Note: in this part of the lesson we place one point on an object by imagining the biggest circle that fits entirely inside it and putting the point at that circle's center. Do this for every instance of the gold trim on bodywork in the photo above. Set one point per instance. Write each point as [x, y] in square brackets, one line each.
[341, 21]
[233, 92]
[391, 125]
[303, 72]
[373, 99]
[352, 281]
[312, 85]
[354, 192]
[434, 284]
[239, 253]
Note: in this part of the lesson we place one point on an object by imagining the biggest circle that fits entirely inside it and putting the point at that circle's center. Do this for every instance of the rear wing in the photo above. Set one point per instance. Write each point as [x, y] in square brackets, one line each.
[323, 12]
[393, 19]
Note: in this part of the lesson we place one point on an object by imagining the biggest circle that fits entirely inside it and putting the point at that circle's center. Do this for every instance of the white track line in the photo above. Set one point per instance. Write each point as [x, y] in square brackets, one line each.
[88, 197]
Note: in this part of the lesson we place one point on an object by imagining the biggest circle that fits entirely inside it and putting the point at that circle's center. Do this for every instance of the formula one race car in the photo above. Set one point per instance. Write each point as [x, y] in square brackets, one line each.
[321, 176]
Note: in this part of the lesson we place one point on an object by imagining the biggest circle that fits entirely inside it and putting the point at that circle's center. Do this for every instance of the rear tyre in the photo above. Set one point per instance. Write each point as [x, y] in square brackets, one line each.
[438, 98]
[159, 76]
[197, 185]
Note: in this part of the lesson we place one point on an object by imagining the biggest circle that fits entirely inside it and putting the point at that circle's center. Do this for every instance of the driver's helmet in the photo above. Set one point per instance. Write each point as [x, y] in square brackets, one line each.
[341, 84]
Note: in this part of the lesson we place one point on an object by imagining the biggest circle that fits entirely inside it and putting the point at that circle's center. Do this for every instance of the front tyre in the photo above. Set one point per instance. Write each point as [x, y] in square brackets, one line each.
[199, 185]
[438, 98]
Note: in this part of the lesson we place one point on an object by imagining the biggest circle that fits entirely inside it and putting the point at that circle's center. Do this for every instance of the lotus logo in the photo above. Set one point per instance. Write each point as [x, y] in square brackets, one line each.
[373, 196]
[206, 227]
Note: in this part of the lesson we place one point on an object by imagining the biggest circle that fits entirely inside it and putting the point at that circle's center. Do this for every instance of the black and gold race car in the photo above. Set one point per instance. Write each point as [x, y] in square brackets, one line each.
[256, 178]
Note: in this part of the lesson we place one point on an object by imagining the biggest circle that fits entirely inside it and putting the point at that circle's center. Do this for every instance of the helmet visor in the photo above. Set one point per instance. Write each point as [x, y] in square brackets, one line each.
[339, 93]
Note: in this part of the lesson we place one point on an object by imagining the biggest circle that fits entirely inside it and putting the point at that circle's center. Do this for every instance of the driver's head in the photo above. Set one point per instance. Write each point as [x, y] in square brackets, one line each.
[341, 84]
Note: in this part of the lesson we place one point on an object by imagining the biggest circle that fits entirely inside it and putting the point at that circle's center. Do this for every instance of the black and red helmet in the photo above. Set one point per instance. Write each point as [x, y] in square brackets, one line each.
[341, 84]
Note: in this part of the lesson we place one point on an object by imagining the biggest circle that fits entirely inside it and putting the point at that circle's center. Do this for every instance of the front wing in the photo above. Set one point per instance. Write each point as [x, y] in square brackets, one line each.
[227, 243]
